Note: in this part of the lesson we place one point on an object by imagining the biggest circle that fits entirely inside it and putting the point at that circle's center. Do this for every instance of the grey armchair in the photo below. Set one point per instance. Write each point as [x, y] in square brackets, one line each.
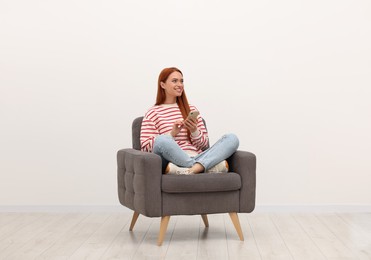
[144, 188]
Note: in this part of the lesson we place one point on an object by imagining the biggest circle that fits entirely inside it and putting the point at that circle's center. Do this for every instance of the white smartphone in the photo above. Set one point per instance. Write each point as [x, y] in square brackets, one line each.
[193, 114]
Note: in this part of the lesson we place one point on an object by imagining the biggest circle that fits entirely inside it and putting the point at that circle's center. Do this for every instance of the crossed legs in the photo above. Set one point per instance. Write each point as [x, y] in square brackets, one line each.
[170, 151]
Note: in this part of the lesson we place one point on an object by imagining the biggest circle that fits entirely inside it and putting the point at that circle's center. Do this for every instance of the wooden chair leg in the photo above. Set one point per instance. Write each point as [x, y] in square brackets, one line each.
[206, 221]
[163, 228]
[133, 220]
[236, 223]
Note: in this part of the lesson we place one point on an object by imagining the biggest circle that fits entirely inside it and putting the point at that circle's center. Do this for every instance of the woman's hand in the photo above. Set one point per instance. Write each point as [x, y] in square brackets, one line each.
[191, 124]
[177, 126]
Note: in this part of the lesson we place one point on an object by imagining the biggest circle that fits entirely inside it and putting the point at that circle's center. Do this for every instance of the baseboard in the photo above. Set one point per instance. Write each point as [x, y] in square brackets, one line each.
[65, 208]
[337, 208]
[321, 208]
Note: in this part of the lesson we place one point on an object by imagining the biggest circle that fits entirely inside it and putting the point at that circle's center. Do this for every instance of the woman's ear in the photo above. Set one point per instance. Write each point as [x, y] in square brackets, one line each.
[162, 84]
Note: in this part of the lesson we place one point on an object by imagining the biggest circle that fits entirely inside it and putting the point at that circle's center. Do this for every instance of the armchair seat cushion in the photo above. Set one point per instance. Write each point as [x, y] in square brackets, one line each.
[204, 182]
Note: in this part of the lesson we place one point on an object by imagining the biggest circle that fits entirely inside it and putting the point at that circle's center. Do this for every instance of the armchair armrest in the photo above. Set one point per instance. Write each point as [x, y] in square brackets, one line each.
[139, 181]
[244, 163]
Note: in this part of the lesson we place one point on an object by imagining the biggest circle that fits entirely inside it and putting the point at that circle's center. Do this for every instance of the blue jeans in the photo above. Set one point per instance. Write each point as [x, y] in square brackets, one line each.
[170, 151]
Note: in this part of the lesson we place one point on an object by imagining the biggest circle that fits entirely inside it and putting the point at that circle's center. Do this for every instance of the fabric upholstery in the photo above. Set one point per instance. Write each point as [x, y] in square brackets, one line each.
[136, 126]
[245, 164]
[139, 181]
[143, 188]
[201, 182]
[200, 203]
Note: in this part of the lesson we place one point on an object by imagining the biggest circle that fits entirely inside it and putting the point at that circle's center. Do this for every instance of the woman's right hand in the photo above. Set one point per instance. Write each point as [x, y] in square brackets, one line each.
[177, 126]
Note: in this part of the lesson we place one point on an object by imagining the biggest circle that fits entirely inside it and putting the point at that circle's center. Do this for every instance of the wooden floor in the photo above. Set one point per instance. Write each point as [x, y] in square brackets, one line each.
[107, 236]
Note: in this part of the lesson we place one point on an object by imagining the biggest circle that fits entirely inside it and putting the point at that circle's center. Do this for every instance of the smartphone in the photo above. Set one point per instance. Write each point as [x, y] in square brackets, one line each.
[193, 114]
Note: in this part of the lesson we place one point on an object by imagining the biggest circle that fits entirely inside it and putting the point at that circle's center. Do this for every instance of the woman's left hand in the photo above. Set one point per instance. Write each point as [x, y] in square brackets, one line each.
[190, 124]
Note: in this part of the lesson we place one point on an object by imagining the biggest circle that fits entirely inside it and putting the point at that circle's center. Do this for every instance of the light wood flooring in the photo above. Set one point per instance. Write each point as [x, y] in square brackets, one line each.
[107, 236]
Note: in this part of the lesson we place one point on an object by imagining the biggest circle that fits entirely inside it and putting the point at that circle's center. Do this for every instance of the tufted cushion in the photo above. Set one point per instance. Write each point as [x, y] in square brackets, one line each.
[201, 182]
[139, 181]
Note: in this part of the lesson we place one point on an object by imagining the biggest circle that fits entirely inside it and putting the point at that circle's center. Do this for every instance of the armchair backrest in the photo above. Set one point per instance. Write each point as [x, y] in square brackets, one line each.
[136, 127]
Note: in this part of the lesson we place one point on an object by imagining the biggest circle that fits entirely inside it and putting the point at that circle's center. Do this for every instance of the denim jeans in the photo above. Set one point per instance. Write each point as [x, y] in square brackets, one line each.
[170, 151]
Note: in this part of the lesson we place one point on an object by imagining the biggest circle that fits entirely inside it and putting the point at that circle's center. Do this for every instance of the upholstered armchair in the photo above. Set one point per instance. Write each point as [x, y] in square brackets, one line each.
[144, 188]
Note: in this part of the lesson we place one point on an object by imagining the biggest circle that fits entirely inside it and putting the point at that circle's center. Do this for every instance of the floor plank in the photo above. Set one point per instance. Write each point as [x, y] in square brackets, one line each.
[50, 235]
[148, 248]
[24, 234]
[361, 221]
[326, 241]
[126, 243]
[268, 239]
[300, 245]
[241, 249]
[6, 218]
[72, 240]
[184, 241]
[98, 243]
[213, 240]
[358, 241]
[107, 236]
[18, 223]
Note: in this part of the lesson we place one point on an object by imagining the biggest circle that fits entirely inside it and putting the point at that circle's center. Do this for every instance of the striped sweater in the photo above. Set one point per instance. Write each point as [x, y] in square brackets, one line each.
[160, 119]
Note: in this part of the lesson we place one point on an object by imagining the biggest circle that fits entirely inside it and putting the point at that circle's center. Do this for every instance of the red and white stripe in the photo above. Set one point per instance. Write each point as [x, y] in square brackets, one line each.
[160, 119]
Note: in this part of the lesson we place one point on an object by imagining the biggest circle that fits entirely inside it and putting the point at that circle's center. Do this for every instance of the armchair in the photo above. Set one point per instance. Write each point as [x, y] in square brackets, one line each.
[144, 188]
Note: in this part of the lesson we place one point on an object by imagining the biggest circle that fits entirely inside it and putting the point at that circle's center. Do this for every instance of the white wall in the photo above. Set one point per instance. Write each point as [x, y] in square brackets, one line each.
[292, 79]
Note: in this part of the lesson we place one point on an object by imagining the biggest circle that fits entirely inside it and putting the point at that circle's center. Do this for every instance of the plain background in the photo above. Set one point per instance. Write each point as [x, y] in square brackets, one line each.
[291, 78]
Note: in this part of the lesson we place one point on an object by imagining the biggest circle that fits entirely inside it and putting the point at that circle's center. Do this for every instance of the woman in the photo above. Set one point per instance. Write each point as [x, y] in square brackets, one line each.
[180, 140]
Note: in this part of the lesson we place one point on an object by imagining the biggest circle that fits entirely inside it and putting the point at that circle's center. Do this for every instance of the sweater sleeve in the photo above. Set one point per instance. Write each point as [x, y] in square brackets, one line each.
[200, 138]
[148, 133]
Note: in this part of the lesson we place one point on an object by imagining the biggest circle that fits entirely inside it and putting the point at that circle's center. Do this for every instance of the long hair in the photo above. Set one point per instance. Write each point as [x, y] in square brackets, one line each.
[182, 101]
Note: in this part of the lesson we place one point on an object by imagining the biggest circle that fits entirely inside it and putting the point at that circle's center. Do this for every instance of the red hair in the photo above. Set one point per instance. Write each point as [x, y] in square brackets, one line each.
[182, 101]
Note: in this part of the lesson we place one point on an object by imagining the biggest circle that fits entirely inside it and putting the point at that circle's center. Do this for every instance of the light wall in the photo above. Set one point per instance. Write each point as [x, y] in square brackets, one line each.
[291, 78]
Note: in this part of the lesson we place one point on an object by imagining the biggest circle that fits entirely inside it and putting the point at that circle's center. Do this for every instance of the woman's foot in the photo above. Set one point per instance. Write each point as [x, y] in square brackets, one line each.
[220, 167]
[197, 168]
[176, 170]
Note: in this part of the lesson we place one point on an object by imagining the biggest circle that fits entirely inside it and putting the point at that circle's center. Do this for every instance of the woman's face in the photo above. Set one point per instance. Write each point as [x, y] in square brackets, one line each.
[174, 85]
